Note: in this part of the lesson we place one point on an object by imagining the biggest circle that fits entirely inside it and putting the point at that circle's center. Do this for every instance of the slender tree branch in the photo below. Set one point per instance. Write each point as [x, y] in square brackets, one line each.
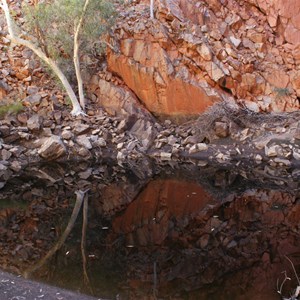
[110, 46]
[293, 269]
[76, 55]
[279, 289]
[151, 9]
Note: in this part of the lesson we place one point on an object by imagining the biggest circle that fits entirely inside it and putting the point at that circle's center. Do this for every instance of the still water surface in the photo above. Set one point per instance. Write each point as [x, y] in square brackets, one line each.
[155, 231]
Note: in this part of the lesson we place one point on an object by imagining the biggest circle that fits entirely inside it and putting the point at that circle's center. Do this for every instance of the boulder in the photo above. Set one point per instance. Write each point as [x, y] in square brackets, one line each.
[52, 148]
[67, 134]
[80, 128]
[84, 141]
[296, 154]
[221, 129]
[34, 123]
[273, 150]
[144, 131]
[32, 100]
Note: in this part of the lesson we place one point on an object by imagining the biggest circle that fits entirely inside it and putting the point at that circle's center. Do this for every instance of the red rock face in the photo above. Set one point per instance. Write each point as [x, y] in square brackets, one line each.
[196, 53]
[286, 12]
[161, 90]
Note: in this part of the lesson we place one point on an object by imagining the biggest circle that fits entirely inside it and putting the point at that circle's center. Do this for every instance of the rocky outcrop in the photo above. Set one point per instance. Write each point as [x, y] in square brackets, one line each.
[151, 65]
[119, 101]
[283, 16]
[192, 55]
[196, 53]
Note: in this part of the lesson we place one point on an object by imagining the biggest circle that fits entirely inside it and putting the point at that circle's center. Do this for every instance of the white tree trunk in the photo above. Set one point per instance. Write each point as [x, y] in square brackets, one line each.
[53, 65]
[76, 55]
[151, 9]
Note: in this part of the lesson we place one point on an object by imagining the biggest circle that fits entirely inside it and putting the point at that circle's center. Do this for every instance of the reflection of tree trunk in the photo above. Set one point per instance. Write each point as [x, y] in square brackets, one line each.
[83, 239]
[79, 199]
[155, 280]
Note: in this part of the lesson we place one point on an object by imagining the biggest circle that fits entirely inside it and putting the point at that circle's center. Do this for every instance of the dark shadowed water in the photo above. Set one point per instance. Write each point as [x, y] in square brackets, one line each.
[155, 231]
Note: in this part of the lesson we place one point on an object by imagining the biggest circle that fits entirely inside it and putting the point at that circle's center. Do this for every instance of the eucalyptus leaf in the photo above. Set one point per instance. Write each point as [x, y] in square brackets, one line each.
[52, 24]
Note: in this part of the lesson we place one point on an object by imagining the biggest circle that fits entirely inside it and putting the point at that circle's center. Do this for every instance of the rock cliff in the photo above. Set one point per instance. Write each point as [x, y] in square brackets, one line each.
[190, 56]
[194, 53]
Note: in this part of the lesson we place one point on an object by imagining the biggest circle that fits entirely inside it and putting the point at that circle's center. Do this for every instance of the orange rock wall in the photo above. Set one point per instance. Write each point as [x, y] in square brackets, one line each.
[196, 53]
[284, 14]
[160, 92]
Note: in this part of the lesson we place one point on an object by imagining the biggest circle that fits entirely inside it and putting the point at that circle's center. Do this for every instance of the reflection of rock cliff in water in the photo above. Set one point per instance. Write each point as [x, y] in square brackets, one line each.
[210, 234]
[233, 249]
[149, 220]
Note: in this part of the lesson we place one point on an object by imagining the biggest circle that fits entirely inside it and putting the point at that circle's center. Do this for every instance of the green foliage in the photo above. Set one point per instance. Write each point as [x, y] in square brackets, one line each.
[8, 203]
[52, 23]
[68, 101]
[12, 108]
[282, 92]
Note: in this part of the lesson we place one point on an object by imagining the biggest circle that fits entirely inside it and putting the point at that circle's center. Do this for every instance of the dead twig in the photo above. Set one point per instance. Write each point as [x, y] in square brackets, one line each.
[297, 290]
[279, 289]
[293, 269]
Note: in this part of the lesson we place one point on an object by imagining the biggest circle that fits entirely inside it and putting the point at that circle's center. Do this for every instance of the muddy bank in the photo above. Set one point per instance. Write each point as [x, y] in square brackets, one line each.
[13, 287]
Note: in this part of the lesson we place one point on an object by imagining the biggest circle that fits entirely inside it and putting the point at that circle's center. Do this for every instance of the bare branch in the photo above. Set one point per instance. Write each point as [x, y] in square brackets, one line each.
[293, 269]
[110, 46]
[279, 289]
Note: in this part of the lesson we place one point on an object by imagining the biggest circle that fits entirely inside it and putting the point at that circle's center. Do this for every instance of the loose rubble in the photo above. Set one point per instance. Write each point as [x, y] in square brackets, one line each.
[100, 136]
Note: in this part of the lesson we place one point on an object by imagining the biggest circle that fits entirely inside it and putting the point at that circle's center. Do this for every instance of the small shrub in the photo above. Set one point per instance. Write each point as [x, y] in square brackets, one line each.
[12, 108]
[282, 92]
